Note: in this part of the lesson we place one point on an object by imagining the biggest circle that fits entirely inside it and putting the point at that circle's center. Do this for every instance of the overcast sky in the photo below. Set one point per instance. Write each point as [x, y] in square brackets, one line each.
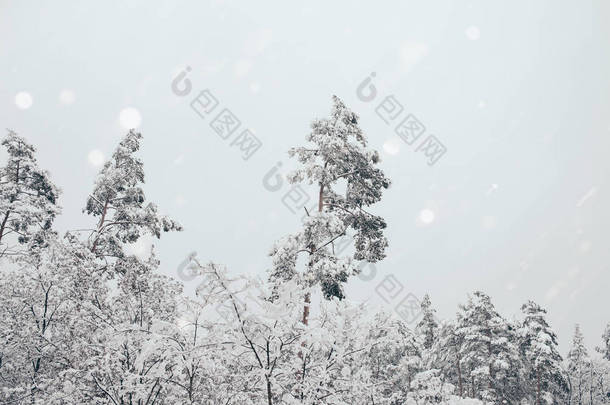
[518, 92]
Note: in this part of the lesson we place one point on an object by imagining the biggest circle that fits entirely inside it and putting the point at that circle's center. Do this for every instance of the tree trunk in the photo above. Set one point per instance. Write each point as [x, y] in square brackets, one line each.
[570, 392]
[321, 199]
[306, 308]
[461, 384]
[8, 212]
[538, 386]
[591, 383]
[308, 295]
[99, 226]
[3, 225]
[472, 386]
[269, 399]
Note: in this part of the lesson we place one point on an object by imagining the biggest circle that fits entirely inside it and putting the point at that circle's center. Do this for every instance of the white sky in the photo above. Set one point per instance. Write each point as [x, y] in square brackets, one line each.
[518, 92]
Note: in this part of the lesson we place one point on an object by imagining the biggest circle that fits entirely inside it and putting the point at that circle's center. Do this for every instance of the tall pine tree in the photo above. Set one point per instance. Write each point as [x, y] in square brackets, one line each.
[446, 355]
[125, 364]
[343, 170]
[578, 367]
[28, 199]
[538, 346]
[427, 326]
[118, 202]
[488, 353]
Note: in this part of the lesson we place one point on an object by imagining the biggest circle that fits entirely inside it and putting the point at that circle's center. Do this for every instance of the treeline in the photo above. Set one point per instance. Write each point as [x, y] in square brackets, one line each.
[82, 321]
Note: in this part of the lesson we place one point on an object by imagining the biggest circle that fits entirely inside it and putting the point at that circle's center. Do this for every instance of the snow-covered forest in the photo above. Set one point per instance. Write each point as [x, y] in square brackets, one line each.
[83, 321]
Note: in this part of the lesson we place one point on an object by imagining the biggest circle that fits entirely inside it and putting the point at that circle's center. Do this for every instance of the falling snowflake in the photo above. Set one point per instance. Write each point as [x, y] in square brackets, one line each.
[426, 216]
[391, 146]
[473, 33]
[130, 118]
[96, 158]
[67, 97]
[23, 100]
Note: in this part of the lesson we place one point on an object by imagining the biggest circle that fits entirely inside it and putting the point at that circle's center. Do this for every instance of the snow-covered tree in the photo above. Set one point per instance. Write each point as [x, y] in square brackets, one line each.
[343, 170]
[127, 359]
[82, 321]
[338, 163]
[48, 315]
[446, 355]
[488, 352]
[28, 198]
[428, 325]
[199, 357]
[542, 361]
[394, 358]
[601, 369]
[252, 336]
[127, 362]
[332, 368]
[118, 203]
[272, 357]
[578, 368]
[73, 336]
[599, 381]
[428, 388]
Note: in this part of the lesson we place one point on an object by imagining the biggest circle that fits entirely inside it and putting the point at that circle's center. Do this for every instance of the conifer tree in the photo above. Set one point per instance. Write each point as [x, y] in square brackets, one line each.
[538, 346]
[343, 170]
[428, 326]
[118, 202]
[578, 363]
[125, 364]
[394, 358]
[28, 199]
[489, 353]
[445, 355]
